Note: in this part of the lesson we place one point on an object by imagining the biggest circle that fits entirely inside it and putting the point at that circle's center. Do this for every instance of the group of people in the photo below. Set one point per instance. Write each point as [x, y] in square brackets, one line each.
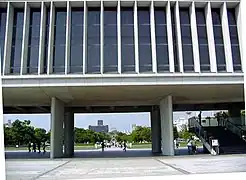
[122, 145]
[34, 147]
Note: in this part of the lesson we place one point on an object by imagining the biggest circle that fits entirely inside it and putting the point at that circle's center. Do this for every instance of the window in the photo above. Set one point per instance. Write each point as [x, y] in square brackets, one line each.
[3, 15]
[76, 44]
[175, 52]
[127, 40]
[110, 60]
[202, 40]
[236, 56]
[93, 40]
[59, 40]
[186, 39]
[144, 40]
[219, 42]
[33, 43]
[162, 55]
[15, 58]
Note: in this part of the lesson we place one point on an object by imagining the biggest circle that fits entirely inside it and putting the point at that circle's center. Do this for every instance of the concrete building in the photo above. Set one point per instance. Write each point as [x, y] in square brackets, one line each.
[100, 127]
[65, 57]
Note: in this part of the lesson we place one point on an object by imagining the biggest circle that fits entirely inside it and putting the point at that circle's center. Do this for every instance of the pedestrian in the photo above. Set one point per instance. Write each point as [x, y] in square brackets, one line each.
[34, 147]
[124, 144]
[39, 146]
[44, 146]
[103, 146]
[29, 147]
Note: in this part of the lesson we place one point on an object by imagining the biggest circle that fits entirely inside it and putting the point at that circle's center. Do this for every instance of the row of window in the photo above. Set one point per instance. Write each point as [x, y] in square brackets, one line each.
[110, 40]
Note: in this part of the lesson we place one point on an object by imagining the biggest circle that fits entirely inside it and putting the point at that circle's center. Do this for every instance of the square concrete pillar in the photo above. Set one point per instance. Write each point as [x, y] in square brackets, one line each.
[57, 119]
[69, 134]
[166, 113]
[156, 130]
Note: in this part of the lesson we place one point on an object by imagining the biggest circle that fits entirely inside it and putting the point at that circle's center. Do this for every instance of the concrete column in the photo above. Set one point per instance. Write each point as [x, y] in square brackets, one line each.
[101, 37]
[170, 37]
[8, 39]
[194, 37]
[51, 39]
[68, 35]
[57, 119]
[226, 38]
[153, 40]
[239, 32]
[119, 36]
[25, 38]
[210, 34]
[85, 39]
[166, 113]
[136, 36]
[179, 40]
[69, 134]
[42, 39]
[156, 130]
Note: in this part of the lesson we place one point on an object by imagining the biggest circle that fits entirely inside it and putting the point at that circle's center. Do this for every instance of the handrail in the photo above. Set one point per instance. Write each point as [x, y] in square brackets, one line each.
[233, 128]
[201, 133]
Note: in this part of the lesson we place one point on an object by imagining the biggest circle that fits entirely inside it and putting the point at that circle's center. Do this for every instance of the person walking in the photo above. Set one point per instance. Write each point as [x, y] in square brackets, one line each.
[103, 146]
[34, 147]
[29, 147]
[39, 146]
[124, 144]
[44, 146]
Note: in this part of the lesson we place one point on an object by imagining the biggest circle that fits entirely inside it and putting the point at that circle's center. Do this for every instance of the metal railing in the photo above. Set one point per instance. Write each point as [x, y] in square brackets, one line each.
[233, 128]
[201, 133]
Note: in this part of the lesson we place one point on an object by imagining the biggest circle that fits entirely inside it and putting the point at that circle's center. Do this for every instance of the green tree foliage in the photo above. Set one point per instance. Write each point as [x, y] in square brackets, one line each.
[141, 134]
[184, 132]
[175, 132]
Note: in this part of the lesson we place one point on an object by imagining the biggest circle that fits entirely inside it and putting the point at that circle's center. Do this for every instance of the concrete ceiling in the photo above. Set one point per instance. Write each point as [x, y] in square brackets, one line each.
[123, 95]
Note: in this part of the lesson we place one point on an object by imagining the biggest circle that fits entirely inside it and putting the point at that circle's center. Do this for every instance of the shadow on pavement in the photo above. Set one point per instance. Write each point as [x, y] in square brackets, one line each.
[108, 153]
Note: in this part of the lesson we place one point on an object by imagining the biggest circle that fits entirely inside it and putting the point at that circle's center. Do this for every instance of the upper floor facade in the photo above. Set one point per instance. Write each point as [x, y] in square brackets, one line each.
[112, 37]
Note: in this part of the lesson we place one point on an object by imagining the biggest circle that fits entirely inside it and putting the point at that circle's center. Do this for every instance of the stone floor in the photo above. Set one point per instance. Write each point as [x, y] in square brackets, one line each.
[109, 167]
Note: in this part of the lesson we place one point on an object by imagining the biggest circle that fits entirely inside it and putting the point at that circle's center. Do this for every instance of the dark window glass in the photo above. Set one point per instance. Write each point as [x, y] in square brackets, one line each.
[46, 41]
[110, 61]
[144, 40]
[33, 42]
[93, 40]
[15, 59]
[236, 56]
[77, 30]
[186, 39]
[127, 40]
[3, 16]
[59, 40]
[161, 40]
[175, 52]
[202, 40]
[218, 38]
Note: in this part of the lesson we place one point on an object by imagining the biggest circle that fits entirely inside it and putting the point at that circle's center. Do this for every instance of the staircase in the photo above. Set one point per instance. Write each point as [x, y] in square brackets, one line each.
[228, 135]
[230, 143]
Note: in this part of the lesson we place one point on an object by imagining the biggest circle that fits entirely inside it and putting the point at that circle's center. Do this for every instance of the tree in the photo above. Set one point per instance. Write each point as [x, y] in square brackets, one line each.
[175, 132]
[141, 134]
[40, 135]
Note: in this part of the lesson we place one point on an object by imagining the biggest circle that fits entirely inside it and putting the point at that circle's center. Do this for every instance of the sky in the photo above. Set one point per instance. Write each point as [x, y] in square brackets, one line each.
[120, 121]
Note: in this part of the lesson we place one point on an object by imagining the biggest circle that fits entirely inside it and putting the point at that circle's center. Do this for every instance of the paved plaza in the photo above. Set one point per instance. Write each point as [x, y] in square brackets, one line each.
[106, 166]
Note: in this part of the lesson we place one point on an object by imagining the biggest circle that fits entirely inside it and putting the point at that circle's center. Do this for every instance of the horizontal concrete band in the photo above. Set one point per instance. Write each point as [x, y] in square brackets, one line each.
[106, 80]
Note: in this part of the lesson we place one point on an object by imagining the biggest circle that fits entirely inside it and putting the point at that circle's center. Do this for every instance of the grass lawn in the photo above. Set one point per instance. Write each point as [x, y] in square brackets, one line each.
[91, 146]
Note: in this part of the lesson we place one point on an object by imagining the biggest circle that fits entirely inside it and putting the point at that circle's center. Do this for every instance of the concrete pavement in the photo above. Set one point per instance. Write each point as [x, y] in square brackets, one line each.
[109, 167]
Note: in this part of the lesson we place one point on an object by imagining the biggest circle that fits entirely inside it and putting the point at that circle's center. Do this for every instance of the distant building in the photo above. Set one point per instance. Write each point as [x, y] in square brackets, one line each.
[100, 122]
[134, 127]
[8, 124]
[100, 127]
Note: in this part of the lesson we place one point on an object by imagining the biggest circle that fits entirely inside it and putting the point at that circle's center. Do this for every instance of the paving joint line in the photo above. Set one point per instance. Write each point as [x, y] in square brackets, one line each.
[176, 168]
[37, 177]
